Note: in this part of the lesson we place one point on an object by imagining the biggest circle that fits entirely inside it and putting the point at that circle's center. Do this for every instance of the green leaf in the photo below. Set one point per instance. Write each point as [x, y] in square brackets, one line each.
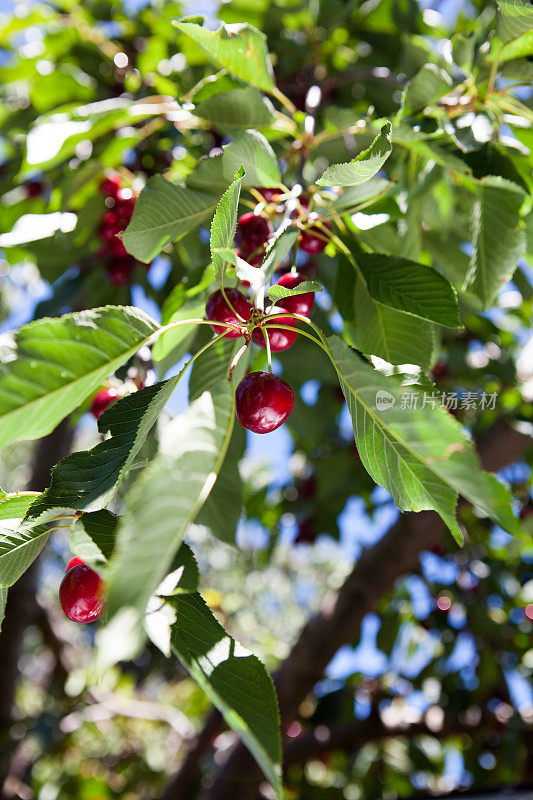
[517, 48]
[18, 547]
[222, 510]
[279, 292]
[163, 214]
[240, 48]
[169, 493]
[420, 455]
[50, 366]
[428, 85]
[411, 287]
[184, 574]
[65, 84]
[249, 148]
[192, 308]
[498, 240]
[92, 537]
[357, 195]
[239, 108]
[234, 680]
[515, 18]
[86, 480]
[224, 223]
[390, 334]
[364, 166]
[284, 239]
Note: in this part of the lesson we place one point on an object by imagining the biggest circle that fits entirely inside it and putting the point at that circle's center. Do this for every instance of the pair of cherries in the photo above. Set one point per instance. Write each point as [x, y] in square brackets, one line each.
[82, 592]
[254, 231]
[121, 204]
[218, 310]
[263, 401]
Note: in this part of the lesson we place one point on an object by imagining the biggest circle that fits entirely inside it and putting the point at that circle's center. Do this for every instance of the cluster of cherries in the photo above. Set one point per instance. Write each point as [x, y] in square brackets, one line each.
[82, 592]
[264, 401]
[120, 204]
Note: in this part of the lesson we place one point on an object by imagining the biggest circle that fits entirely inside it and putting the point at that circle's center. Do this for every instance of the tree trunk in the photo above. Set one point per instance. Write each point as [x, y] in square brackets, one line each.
[339, 621]
[21, 607]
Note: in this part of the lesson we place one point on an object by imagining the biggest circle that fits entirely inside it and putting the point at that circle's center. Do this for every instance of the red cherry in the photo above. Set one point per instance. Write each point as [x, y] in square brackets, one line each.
[34, 188]
[124, 211]
[254, 261]
[218, 309]
[300, 303]
[102, 400]
[312, 243]
[252, 235]
[119, 252]
[74, 562]
[270, 195]
[110, 186]
[527, 511]
[263, 402]
[109, 229]
[81, 594]
[119, 270]
[279, 338]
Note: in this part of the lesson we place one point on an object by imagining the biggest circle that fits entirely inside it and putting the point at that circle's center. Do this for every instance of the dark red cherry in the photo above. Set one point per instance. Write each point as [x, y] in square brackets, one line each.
[74, 562]
[279, 338]
[110, 186]
[270, 195]
[218, 309]
[81, 594]
[263, 402]
[300, 303]
[124, 210]
[313, 243]
[252, 235]
[102, 400]
[34, 188]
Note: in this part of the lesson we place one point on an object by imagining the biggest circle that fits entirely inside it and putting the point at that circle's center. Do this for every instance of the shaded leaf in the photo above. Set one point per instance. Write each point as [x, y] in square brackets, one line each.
[238, 108]
[234, 680]
[498, 240]
[390, 334]
[430, 83]
[411, 287]
[87, 479]
[92, 537]
[249, 148]
[167, 497]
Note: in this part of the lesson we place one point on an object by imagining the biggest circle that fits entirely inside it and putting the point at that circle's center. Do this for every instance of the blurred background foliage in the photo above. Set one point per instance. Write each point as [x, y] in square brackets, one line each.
[450, 648]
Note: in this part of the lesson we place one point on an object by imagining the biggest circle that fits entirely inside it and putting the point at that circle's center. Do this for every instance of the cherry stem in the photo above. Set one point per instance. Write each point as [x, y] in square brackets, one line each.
[268, 350]
[289, 105]
[224, 295]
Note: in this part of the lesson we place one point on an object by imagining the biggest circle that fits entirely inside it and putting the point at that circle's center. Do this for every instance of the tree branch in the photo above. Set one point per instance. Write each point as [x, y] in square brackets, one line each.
[349, 736]
[339, 621]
